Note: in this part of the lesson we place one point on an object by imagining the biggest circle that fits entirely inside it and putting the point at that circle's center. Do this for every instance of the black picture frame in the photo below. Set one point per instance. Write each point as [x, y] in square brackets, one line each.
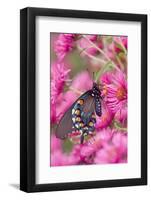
[28, 99]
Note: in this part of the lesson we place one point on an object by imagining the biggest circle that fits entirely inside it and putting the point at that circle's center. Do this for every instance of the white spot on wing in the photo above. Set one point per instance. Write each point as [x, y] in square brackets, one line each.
[73, 119]
[77, 126]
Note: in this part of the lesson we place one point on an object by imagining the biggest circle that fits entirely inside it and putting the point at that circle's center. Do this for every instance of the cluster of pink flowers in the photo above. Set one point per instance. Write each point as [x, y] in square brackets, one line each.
[108, 146]
[64, 44]
[107, 57]
[59, 76]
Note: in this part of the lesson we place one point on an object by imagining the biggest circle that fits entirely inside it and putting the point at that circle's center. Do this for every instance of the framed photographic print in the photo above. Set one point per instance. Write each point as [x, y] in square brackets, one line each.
[83, 99]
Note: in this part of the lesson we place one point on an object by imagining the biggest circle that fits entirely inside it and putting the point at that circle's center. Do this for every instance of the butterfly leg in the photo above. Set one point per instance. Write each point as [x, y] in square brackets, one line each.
[82, 138]
[92, 140]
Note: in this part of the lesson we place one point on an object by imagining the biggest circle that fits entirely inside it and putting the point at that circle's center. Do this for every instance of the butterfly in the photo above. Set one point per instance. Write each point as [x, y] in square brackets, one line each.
[81, 116]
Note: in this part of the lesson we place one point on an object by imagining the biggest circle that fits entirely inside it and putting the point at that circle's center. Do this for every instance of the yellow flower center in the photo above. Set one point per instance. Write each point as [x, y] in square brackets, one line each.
[121, 93]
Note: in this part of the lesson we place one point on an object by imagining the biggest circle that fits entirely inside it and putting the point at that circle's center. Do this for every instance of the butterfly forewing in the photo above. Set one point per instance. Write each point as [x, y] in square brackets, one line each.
[89, 103]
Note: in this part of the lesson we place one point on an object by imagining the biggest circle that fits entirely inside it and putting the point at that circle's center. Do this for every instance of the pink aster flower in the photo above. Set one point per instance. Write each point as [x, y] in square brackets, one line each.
[121, 116]
[83, 153]
[107, 146]
[114, 151]
[119, 140]
[52, 112]
[101, 138]
[58, 158]
[106, 155]
[59, 75]
[106, 78]
[116, 91]
[63, 45]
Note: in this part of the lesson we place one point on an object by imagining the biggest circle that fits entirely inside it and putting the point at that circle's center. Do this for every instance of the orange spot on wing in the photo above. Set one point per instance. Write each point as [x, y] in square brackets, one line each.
[80, 101]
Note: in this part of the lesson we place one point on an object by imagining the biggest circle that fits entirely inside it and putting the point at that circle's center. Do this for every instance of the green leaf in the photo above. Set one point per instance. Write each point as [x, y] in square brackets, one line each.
[119, 126]
[107, 67]
[67, 146]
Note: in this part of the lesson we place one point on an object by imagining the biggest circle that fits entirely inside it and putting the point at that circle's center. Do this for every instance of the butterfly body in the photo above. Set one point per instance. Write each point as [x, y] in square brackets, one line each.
[81, 116]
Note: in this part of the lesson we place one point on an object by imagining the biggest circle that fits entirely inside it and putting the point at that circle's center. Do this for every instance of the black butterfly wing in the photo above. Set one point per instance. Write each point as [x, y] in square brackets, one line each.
[89, 103]
[65, 125]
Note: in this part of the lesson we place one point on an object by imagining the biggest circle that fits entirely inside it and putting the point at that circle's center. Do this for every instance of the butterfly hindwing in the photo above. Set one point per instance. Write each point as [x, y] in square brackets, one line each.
[89, 103]
[66, 124]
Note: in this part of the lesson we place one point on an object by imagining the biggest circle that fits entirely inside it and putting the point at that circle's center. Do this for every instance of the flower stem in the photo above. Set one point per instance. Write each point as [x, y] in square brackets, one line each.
[120, 63]
[91, 56]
